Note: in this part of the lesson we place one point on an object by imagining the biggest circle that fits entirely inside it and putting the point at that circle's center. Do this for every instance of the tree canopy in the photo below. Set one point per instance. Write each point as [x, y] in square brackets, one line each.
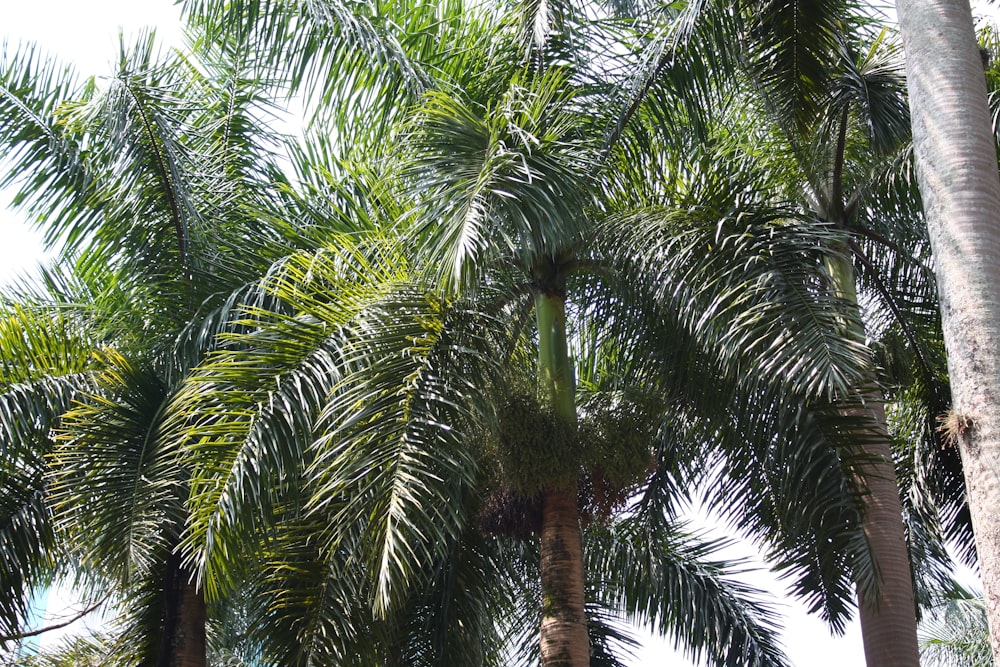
[441, 369]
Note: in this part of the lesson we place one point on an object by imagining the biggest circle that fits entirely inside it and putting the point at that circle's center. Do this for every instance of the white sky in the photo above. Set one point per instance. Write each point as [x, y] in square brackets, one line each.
[85, 33]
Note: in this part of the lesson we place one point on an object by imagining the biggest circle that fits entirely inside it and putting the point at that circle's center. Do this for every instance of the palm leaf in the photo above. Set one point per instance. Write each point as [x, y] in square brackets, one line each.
[257, 396]
[665, 581]
[117, 487]
[393, 447]
[499, 181]
[47, 160]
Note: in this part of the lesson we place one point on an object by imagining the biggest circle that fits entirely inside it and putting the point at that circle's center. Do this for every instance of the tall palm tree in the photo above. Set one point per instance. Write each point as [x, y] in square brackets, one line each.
[805, 85]
[956, 167]
[117, 440]
[506, 162]
[838, 176]
[140, 187]
[536, 221]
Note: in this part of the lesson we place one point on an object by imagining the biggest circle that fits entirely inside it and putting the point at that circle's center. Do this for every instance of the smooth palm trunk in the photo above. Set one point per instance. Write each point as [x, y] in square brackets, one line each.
[889, 622]
[183, 641]
[957, 171]
[563, 635]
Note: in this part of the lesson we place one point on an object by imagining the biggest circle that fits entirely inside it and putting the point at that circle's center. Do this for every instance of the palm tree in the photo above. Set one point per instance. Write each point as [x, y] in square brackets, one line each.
[865, 107]
[956, 166]
[116, 438]
[815, 92]
[127, 179]
[382, 397]
[535, 221]
[871, 88]
[515, 152]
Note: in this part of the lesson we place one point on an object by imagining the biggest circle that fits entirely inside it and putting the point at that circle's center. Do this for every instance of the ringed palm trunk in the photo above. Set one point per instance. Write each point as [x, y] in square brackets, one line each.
[957, 172]
[888, 623]
[563, 635]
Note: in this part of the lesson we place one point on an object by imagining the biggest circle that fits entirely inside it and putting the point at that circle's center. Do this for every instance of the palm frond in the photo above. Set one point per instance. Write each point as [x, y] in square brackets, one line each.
[248, 412]
[141, 158]
[875, 83]
[376, 56]
[45, 367]
[956, 635]
[803, 497]
[511, 179]
[743, 284]
[673, 79]
[792, 44]
[47, 161]
[318, 601]
[394, 444]
[665, 581]
[109, 457]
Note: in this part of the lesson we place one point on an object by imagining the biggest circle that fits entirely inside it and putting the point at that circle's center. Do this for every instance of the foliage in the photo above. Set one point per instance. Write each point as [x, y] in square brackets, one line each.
[955, 634]
[293, 369]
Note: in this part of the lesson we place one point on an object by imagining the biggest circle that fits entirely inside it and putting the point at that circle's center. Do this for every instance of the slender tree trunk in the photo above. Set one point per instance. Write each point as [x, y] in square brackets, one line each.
[957, 171]
[564, 639]
[183, 641]
[888, 623]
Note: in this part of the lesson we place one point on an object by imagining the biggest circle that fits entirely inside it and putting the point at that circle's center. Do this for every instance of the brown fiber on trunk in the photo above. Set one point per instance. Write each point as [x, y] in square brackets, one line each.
[564, 639]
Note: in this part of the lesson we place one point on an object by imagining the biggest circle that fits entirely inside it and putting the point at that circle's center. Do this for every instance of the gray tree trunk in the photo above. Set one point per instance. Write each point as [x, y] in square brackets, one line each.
[957, 171]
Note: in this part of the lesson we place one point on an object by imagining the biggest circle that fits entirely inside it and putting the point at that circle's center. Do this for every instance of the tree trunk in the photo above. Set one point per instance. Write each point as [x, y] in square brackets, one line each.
[957, 171]
[564, 640]
[888, 623]
[563, 633]
[182, 642]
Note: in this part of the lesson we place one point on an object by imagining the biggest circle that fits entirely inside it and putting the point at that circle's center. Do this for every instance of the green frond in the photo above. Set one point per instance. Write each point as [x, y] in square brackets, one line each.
[802, 499]
[336, 52]
[394, 434]
[750, 288]
[47, 162]
[512, 179]
[453, 618]
[45, 365]
[874, 81]
[665, 581]
[611, 641]
[791, 46]
[675, 76]
[956, 634]
[247, 412]
[539, 22]
[109, 456]
[320, 600]
[30, 413]
[317, 601]
[333, 194]
[38, 341]
[136, 149]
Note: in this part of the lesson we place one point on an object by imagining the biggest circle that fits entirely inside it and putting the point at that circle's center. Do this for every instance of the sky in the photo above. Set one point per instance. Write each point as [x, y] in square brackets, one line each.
[86, 35]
